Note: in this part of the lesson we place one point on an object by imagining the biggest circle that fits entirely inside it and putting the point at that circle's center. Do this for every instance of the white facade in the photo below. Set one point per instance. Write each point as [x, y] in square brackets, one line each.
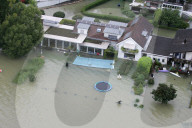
[162, 59]
[188, 56]
[121, 54]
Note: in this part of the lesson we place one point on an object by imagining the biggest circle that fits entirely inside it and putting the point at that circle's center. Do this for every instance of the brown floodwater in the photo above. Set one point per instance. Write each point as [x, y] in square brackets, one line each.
[175, 111]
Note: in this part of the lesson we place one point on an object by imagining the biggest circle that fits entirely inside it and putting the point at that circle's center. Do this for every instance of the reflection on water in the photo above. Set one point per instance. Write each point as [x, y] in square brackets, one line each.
[83, 102]
[157, 114]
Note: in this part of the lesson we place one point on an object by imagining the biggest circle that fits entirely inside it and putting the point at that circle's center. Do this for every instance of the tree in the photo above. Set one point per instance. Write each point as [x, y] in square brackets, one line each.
[169, 18]
[144, 65]
[59, 14]
[21, 30]
[164, 93]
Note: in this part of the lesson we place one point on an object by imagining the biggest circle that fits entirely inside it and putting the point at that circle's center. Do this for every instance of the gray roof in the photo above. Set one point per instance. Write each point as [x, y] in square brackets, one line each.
[160, 46]
[85, 18]
[178, 42]
[116, 31]
[118, 23]
[83, 26]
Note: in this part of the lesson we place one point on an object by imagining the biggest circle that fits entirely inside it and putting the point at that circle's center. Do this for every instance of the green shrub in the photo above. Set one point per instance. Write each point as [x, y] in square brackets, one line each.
[42, 12]
[138, 90]
[135, 74]
[141, 106]
[68, 22]
[135, 105]
[31, 68]
[59, 14]
[32, 77]
[137, 100]
[109, 52]
[140, 79]
[151, 81]
[128, 13]
[77, 17]
[173, 69]
[144, 65]
[125, 67]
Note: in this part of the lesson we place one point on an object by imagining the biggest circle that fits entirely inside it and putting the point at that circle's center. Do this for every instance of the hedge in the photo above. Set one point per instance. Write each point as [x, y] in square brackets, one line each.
[68, 22]
[101, 16]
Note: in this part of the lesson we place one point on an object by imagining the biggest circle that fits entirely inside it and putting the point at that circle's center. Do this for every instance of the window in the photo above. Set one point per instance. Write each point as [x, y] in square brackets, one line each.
[163, 60]
[153, 58]
[159, 60]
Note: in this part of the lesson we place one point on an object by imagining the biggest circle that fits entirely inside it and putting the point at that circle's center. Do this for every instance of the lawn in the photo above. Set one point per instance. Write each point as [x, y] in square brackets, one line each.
[164, 32]
[109, 8]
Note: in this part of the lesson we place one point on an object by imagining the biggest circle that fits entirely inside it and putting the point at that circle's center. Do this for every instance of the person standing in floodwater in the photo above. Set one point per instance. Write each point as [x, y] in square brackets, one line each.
[67, 64]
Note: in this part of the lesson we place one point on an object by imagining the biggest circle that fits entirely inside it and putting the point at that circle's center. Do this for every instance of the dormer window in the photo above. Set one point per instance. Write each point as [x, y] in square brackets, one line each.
[144, 33]
[98, 29]
[185, 41]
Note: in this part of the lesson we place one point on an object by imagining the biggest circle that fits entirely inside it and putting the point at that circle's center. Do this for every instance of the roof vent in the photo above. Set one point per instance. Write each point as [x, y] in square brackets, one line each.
[98, 29]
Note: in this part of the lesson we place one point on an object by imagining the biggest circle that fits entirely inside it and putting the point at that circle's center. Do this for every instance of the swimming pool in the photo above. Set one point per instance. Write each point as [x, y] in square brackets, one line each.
[92, 62]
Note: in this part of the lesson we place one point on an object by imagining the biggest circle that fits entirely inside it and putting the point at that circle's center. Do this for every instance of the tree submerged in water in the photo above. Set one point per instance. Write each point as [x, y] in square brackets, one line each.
[164, 93]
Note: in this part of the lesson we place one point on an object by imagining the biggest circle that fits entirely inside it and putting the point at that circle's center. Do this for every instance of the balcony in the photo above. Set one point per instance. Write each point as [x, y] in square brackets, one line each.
[130, 51]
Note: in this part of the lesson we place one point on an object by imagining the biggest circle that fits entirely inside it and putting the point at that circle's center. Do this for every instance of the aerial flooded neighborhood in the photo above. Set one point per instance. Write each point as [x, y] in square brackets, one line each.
[96, 64]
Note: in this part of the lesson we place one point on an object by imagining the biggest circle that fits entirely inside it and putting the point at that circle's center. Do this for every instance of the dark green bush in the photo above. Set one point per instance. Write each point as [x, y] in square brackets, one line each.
[135, 105]
[138, 90]
[109, 53]
[59, 14]
[140, 79]
[137, 100]
[141, 106]
[135, 74]
[32, 78]
[173, 69]
[42, 12]
[68, 22]
[151, 81]
[75, 17]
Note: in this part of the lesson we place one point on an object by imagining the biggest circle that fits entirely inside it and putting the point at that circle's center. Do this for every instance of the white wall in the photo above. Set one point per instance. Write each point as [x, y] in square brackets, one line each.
[161, 58]
[82, 31]
[188, 56]
[121, 53]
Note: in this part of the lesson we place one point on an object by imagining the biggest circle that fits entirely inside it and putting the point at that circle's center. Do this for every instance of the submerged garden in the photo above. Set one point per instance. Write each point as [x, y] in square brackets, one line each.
[72, 87]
